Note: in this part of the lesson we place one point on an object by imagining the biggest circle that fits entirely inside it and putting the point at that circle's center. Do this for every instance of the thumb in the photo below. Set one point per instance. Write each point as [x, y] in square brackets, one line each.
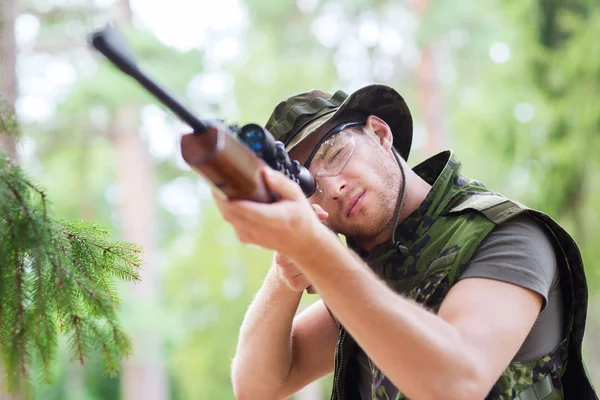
[282, 185]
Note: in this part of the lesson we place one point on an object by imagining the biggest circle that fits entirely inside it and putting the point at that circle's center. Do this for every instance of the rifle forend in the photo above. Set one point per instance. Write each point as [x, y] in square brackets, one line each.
[230, 167]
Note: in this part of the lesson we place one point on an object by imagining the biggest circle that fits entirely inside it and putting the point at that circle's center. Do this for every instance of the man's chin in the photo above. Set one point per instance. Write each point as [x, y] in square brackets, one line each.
[367, 234]
[359, 235]
[361, 227]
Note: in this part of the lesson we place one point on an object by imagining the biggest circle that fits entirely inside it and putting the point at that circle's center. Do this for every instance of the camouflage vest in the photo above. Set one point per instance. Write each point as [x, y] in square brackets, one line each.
[442, 236]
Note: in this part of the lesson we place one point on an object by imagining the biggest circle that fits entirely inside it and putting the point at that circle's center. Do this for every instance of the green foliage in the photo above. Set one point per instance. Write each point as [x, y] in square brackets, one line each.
[8, 120]
[282, 59]
[109, 87]
[549, 162]
[72, 381]
[55, 275]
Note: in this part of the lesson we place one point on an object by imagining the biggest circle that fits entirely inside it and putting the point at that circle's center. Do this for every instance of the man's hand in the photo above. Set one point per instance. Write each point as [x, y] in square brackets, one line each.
[289, 225]
[292, 276]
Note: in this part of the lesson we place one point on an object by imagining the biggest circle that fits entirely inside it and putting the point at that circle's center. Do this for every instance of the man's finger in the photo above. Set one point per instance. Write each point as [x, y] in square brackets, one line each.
[232, 210]
[281, 184]
[322, 214]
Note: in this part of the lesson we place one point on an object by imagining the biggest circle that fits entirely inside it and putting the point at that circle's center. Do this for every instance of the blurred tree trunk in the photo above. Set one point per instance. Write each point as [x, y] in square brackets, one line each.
[143, 375]
[76, 384]
[429, 91]
[8, 88]
[8, 58]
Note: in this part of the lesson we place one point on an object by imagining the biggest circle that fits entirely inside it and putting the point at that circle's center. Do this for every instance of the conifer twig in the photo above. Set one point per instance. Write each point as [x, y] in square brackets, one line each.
[50, 266]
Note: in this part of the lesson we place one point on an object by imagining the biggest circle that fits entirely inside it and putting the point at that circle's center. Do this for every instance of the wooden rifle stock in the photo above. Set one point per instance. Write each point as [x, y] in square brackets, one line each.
[227, 164]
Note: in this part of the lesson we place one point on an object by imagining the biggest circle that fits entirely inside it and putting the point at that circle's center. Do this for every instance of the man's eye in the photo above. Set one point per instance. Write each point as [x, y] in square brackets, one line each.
[334, 156]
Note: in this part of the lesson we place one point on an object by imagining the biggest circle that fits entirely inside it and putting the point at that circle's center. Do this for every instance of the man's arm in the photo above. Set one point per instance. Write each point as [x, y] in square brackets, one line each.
[457, 354]
[278, 354]
[427, 356]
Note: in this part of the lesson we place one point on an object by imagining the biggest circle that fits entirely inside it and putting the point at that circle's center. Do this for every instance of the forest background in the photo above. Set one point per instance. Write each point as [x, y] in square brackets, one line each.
[512, 86]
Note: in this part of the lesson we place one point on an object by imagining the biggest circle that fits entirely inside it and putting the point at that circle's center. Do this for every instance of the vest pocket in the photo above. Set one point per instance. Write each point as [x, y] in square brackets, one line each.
[539, 391]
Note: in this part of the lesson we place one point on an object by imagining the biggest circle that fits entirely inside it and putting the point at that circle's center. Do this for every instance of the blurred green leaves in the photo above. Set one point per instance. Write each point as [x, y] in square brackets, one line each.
[525, 123]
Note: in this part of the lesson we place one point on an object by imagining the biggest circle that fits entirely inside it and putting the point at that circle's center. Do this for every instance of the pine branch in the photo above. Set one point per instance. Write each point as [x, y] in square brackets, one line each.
[120, 259]
[56, 276]
[8, 119]
[45, 337]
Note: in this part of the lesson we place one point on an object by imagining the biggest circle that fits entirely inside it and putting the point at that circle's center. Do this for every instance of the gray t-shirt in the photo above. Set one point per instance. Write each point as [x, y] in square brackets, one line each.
[520, 252]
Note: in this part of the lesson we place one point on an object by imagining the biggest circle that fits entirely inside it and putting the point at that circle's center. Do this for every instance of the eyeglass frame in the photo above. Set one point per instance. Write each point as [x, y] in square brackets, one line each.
[335, 130]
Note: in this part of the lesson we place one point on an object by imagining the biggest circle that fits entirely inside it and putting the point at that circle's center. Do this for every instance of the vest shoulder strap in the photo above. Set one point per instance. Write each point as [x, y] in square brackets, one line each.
[496, 208]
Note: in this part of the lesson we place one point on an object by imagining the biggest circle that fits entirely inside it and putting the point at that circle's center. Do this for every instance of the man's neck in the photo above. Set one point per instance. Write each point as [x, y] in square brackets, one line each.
[416, 191]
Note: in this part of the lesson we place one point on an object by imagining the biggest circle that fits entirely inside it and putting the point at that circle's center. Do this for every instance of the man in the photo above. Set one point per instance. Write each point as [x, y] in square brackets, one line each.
[448, 290]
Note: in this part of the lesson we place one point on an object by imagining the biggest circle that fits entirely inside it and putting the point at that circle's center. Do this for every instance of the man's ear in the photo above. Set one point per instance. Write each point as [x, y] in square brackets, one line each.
[381, 130]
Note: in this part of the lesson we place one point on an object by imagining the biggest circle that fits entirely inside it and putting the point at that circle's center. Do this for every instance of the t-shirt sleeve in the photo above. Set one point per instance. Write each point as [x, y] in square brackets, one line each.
[518, 251]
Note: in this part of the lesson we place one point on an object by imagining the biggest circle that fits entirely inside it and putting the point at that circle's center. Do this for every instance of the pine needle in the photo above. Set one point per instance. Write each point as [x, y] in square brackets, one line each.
[56, 276]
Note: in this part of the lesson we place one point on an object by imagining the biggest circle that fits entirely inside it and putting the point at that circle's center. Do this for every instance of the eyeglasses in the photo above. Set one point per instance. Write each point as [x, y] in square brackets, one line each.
[331, 155]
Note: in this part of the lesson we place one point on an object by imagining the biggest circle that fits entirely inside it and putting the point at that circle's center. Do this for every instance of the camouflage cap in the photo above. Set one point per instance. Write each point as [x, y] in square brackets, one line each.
[297, 117]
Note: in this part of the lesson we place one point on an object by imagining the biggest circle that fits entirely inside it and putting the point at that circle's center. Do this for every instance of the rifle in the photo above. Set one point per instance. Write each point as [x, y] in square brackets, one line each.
[230, 159]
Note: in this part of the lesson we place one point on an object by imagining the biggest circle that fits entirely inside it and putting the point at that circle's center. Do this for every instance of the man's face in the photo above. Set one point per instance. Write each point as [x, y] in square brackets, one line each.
[361, 200]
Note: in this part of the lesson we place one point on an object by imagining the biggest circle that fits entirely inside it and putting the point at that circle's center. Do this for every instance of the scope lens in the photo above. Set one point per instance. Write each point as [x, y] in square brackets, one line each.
[253, 137]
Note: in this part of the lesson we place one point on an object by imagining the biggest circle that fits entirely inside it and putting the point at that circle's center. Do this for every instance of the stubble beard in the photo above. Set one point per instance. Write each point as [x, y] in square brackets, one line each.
[376, 219]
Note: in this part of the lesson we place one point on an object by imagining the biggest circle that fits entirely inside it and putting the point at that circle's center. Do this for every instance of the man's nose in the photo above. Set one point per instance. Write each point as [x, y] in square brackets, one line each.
[334, 186]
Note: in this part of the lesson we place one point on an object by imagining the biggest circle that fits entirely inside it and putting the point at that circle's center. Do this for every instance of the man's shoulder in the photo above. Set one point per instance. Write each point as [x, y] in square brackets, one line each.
[518, 251]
